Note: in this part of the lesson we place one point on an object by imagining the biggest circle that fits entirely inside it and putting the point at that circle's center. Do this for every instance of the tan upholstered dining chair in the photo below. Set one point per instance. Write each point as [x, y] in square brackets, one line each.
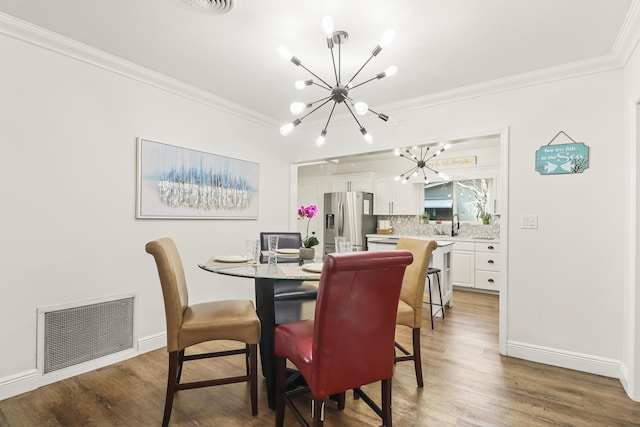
[188, 325]
[411, 297]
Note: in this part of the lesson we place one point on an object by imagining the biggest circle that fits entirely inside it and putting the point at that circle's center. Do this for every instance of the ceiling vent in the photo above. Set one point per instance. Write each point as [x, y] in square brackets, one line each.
[213, 6]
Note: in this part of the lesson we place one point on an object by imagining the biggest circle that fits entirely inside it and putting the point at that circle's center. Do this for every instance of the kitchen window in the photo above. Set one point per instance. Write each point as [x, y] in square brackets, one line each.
[468, 198]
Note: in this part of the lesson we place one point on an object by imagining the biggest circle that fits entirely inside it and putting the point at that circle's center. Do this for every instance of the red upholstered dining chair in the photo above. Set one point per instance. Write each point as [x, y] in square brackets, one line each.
[350, 341]
[187, 325]
[412, 295]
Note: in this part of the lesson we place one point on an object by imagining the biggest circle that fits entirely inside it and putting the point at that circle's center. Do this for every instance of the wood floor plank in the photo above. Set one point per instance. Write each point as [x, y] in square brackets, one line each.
[466, 383]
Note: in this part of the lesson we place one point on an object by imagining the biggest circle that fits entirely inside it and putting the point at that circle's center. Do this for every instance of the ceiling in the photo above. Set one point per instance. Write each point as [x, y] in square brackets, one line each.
[439, 45]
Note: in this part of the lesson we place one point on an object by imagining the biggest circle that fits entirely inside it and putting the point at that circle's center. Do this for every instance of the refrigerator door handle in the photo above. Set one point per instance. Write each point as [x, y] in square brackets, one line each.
[340, 218]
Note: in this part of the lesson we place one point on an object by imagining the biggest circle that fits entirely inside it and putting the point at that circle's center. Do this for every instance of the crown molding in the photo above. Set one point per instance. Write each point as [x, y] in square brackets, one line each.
[629, 35]
[547, 75]
[43, 38]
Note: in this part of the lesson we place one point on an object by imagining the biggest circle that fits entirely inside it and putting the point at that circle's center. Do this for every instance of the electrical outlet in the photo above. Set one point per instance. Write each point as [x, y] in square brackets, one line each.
[529, 221]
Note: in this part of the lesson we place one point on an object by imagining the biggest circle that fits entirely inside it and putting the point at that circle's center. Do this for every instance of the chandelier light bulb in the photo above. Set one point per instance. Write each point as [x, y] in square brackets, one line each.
[391, 71]
[286, 129]
[361, 108]
[443, 176]
[367, 136]
[387, 37]
[404, 181]
[327, 26]
[415, 173]
[284, 52]
[320, 140]
[301, 84]
[397, 178]
[396, 151]
[297, 107]
[426, 180]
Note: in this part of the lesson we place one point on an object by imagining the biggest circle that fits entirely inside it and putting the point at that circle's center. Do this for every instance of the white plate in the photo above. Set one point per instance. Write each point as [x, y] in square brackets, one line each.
[313, 268]
[291, 251]
[231, 258]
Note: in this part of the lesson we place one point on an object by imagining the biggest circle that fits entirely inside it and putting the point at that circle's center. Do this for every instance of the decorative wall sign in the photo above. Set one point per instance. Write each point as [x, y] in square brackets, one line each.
[562, 158]
[176, 182]
[453, 162]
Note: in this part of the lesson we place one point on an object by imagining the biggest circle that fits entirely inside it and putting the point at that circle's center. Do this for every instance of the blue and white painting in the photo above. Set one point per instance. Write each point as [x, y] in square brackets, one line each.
[176, 182]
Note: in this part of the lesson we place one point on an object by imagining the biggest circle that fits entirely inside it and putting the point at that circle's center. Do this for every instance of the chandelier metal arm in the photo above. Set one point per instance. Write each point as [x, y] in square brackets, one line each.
[330, 115]
[320, 100]
[360, 69]
[382, 116]
[408, 157]
[354, 116]
[364, 82]
[326, 85]
[333, 61]
[314, 110]
[409, 172]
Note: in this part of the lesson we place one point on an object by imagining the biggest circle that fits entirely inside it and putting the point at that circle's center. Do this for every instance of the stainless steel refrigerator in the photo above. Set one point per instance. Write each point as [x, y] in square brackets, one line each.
[348, 214]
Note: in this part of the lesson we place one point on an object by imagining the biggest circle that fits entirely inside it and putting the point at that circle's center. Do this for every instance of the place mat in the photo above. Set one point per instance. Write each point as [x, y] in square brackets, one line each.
[296, 270]
[211, 262]
[234, 259]
[282, 255]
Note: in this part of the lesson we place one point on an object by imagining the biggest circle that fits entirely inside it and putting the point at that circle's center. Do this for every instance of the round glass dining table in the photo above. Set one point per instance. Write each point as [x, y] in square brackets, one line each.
[266, 276]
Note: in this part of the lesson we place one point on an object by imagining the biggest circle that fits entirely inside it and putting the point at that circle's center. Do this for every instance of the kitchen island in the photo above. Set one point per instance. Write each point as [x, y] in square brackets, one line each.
[440, 258]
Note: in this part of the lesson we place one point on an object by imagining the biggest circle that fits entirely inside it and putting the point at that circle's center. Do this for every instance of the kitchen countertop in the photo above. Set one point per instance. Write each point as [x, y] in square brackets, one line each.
[392, 238]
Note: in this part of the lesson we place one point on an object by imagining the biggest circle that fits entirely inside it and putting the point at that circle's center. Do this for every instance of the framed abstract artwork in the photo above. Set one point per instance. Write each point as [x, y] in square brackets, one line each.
[176, 182]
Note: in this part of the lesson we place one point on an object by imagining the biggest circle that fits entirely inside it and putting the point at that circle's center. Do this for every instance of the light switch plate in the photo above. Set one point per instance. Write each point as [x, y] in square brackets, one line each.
[529, 221]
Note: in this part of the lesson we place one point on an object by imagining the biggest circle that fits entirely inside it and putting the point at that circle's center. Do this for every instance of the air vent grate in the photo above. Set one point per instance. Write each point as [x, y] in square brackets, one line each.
[214, 6]
[79, 334]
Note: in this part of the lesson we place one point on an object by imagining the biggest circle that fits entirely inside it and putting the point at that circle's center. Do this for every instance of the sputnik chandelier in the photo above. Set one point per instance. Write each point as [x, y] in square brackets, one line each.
[420, 163]
[338, 92]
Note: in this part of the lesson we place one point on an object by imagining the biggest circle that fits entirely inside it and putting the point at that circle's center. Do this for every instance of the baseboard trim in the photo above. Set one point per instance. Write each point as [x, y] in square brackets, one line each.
[565, 359]
[32, 379]
[18, 384]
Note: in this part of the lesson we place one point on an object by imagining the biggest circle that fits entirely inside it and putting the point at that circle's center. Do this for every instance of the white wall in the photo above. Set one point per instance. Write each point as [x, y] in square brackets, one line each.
[67, 178]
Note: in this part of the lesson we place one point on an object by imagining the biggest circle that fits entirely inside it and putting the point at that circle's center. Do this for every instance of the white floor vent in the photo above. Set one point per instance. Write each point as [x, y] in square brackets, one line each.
[73, 335]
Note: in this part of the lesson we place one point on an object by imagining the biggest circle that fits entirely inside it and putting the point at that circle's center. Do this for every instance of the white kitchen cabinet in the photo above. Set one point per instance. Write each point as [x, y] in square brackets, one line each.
[487, 266]
[352, 182]
[392, 197]
[440, 258]
[464, 261]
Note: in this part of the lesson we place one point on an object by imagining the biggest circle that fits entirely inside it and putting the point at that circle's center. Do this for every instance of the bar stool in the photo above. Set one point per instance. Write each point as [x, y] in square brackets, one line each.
[436, 271]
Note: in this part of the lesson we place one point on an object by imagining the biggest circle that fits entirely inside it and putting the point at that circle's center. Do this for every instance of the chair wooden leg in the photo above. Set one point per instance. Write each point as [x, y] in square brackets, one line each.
[180, 361]
[417, 360]
[430, 301]
[253, 377]
[440, 292]
[317, 412]
[281, 387]
[386, 403]
[171, 386]
[340, 399]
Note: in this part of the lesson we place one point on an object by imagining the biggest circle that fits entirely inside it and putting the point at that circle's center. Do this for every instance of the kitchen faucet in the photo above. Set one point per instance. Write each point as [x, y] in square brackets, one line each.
[456, 230]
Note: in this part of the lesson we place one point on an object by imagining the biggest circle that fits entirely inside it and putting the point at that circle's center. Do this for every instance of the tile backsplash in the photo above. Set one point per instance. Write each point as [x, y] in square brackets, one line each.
[413, 226]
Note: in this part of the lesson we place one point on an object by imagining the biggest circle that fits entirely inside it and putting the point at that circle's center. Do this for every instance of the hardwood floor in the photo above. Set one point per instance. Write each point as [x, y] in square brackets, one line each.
[467, 383]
